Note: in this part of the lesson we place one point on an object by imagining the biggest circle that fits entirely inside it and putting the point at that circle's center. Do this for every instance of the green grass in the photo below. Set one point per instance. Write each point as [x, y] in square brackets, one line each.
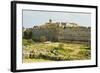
[54, 51]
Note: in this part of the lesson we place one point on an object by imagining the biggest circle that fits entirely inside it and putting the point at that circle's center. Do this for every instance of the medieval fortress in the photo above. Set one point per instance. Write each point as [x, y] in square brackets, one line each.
[61, 31]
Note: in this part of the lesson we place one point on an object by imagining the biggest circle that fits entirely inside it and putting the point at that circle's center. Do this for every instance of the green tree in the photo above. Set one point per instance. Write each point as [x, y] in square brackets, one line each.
[28, 34]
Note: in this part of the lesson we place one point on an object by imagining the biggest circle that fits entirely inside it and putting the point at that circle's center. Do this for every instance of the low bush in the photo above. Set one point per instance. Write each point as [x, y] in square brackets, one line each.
[26, 42]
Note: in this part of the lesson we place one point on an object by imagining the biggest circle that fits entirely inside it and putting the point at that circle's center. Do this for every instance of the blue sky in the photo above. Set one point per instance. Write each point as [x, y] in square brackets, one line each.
[32, 18]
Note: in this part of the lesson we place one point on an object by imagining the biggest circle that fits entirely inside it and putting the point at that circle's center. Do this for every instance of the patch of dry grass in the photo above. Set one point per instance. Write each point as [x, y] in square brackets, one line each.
[56, 51]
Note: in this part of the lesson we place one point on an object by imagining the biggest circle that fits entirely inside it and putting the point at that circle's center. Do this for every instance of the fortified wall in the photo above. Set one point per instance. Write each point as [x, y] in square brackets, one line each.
[61, 31]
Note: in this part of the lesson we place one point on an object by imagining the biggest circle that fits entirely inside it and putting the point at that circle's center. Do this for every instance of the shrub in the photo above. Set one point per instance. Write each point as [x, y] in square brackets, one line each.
[85, 47]
[27, 41]
[84, 54]
[43, 38]
[27, 34]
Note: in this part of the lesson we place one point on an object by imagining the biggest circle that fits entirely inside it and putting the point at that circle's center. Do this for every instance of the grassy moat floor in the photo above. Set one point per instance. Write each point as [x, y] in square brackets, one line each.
[55, 51]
